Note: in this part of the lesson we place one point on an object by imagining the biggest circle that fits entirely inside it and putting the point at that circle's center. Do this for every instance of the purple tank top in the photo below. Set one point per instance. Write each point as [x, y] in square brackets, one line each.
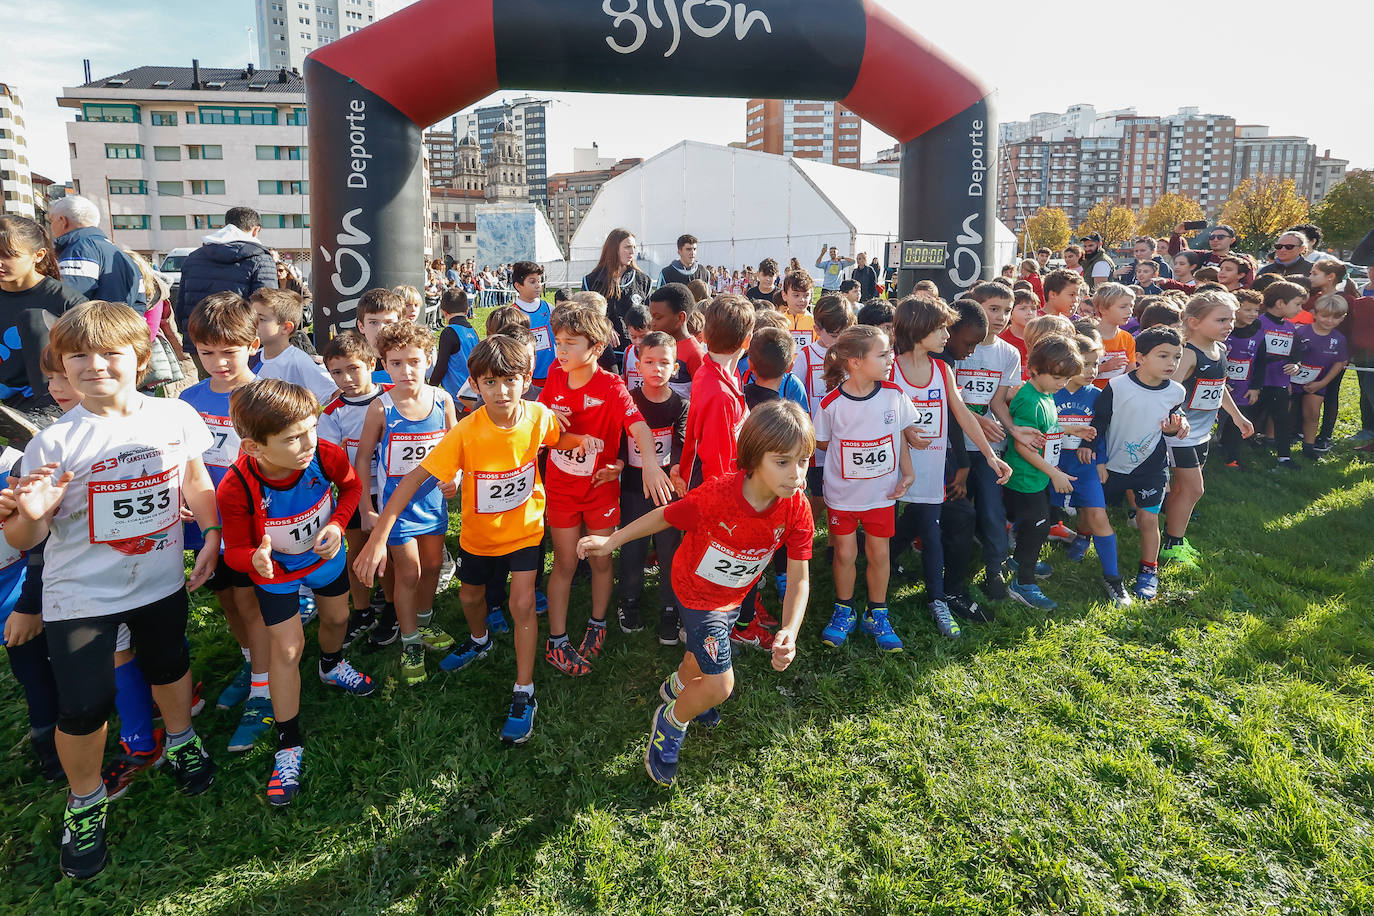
[1240, 361]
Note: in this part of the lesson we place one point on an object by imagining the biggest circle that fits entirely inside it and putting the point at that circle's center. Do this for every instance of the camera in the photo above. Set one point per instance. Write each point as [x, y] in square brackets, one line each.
[1195, 224]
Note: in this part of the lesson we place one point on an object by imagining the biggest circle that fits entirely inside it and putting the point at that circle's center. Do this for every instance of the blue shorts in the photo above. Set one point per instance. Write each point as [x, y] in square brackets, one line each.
[1087, 487]
[1148, 488]
[708, 637]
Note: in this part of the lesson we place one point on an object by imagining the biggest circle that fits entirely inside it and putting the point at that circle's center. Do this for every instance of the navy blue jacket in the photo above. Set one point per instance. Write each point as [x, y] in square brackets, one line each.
[93, 266]
[236, 265]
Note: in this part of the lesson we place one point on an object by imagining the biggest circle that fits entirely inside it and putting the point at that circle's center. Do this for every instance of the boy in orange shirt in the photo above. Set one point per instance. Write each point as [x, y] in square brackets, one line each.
[1113, 304]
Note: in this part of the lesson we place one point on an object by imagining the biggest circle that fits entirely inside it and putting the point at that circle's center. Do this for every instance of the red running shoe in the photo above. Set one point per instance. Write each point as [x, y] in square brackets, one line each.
[566, 659]
[120, 772]
[752, 635]
[1061, 533]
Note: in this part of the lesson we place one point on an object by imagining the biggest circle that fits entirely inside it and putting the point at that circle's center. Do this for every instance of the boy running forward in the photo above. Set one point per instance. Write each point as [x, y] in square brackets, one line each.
[456, 341]
[106, 488]
[731, 526]
[1132, 416]
[279, 314]
[528, 279]
[284, 528]
[669, 308]
[717, 409]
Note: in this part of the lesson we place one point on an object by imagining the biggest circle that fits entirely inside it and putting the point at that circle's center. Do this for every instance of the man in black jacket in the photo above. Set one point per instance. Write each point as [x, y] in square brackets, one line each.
[230, 259]
[685, 269]
[867, 275]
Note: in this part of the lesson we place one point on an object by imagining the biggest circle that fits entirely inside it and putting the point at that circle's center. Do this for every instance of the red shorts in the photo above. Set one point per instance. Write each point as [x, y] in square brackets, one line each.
[879, 523]
[602, 514]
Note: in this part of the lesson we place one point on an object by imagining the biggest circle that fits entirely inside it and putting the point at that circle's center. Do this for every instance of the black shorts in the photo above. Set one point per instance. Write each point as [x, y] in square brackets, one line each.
[1189, 456]
[355, 521]
[1148, 489]
[226, 577]
[474, 569]
[328, 581]
[815, 482]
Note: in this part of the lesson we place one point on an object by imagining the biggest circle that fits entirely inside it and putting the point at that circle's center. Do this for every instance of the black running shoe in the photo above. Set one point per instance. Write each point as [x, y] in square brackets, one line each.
[360, 623]
[968, 609]
[668, 627]
[385, 632]
[192, 766]
[83, 840]
[631, 621]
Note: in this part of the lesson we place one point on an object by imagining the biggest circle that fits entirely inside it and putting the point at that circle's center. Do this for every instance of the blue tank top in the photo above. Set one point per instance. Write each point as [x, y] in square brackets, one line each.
[294, 513]
[213, 407]
[457, 372]
[404, 444]
[542, 329]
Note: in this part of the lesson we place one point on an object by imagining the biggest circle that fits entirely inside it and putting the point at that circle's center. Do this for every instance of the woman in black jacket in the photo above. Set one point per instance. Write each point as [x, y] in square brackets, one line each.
[618, 279]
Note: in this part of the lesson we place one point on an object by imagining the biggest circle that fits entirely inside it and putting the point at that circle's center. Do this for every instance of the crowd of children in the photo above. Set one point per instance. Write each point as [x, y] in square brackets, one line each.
[705, 446]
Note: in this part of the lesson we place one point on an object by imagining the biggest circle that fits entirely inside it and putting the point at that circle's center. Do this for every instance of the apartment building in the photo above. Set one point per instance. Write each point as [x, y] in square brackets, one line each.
[825, 131]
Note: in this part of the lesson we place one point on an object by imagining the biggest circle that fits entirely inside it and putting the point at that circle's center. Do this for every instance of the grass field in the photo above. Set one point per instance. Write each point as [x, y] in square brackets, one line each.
[1212, 752]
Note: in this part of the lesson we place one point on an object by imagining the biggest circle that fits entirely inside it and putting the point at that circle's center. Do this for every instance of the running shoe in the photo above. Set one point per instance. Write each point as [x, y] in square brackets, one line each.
[566, 659]
[348, 679]
[435, 639]
[1182, 553]
[780, 581]
[752, 635]
[876, 624]
[994, 586]
[593, 641]
[1079, 548]
[238, 688]
[496, 621]
[1235, 464]
[631, 621]
[651, 561]
[1363, 436]
[944, 622]
[520, 720]
[968, 609]
[197, 698]
[1116, 591]
[447, 569]
[1130, 519]
[385, 632]
[1062, 533]
[665, 743]
[413, 664]
[83, 839]
[470, 651]
[360, 623]
[192, 766]
[541, 602]
[1043, 570]
[668, 627]
[308, 609]
[253, 724]
[1147, 584]
[1309, 453]
[285, 783]
[1031, 596]
[761, 614]
[842, 623]
[1322, 444]
[119, 773]
[709, 719]
[45, 751]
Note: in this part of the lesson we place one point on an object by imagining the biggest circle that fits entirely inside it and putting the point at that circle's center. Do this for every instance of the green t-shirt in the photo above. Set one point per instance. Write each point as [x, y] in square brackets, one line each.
[1030, 407]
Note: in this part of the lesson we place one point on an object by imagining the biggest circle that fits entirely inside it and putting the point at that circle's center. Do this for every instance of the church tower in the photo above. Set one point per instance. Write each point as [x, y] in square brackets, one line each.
[468, 174]
[506, 167]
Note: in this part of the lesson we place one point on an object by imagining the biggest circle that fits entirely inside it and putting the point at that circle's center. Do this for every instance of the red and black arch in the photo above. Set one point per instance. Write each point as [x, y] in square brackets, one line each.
[370, 95]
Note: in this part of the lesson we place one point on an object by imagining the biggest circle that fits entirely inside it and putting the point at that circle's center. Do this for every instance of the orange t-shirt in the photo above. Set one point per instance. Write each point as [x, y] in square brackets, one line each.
[503, 497]
[1122, 342]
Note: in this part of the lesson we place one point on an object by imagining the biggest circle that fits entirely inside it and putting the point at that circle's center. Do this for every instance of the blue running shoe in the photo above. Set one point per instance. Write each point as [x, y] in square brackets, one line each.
[842, 623]
[465, 655]
[541, 602]
[238, 688]
[308, 609]
[1031, 596]
[665, 743]
[876, 624]
[1079, 548]
[780, 580]
[520, 721]
[709, 719]
[1147, 584]
[255, 721]
[348, 679]
[285, 783]
[1043, 570]
[496, 621]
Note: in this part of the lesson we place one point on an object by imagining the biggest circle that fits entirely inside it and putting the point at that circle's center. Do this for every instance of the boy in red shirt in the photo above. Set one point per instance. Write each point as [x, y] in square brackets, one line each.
[717, 408]
[583, 484]
[731, 526]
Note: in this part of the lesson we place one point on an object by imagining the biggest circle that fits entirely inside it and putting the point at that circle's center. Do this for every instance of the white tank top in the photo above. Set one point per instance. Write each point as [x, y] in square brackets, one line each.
[931, 401]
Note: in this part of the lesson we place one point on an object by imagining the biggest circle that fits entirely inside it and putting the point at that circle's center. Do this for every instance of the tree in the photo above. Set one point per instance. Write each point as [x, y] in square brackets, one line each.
[1047, 227]
[1260, 208]
[1168, 212]
[1112, 221]
[1346, 213]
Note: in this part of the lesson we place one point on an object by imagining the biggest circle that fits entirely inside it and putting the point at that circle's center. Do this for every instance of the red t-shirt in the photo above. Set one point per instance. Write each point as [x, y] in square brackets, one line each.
[727, 543]
[1020, 346]
[603, 409]
[690, 355]
[714, 416]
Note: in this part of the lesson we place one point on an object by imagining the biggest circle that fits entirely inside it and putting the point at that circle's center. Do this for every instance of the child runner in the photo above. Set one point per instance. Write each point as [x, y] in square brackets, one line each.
[1282, 301]
[833, 316]
[731, 526]
[1242, 346]
[669, 308]
[284, 528]
[1062, 288]
[637, 325]
[717, 408]
[1207, 322]
[528, 279]
[1112, 306]
[766, 286]
[456, 341]
[279, 315]
[866, 418]
[401, 427]
[1323, 356]
[105, 486]
[796, 305]
[378, 308]
[1132, 416]
[1024, 307]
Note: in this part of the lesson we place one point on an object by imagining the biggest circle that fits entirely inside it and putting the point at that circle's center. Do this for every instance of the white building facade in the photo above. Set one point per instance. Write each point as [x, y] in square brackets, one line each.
[288, 30]
[16, 179]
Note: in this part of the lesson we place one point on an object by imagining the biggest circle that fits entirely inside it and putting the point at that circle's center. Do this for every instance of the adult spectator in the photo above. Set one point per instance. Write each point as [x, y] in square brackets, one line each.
[618, 279]
[832, 268]
[1097, 264]
[1219, 239]
[90, 263]
[1358, 329]
[868, 276]
[685, 269]
[287, 278]
[1144, 248]
[1042, 258]
[230, 259]
[1289, 260]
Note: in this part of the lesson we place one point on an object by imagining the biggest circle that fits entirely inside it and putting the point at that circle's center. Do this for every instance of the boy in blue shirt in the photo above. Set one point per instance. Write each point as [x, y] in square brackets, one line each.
[456, 341]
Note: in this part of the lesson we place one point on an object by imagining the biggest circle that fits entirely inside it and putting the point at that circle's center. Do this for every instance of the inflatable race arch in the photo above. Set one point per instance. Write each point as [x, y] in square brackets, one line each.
[370, 95]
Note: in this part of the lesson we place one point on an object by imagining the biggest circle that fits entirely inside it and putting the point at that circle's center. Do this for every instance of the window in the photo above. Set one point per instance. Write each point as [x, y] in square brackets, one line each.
[296, 118]
[171, 222]
[164, 118]
[123, 151]
[128, 186]
[121, 114]
[208, 187]
[166, 153]
[130, 221]
[71, 148]
[286, 220]
[238, 115]
[170, 188]
[209, 221]
[205, 151]
[281, 152]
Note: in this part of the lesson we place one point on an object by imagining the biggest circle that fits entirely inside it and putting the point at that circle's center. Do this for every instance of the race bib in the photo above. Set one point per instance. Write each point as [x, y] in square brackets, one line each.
[224, 442]
[1073, 419]
[633, 379]
[8, 555]
[1306, 374]
[1238, 370]
[867, 459]
[405, 451]
[978, 385]
[1113, 373]
[817, 384]
[1053, 443]
[930, 418]
[570, 461]
[543, 340]
[725, 567]
[1280, 343]
[296, 534]
[120, 510]
[803, 339]
[502, 491]
[663, 449]
[1207, 394]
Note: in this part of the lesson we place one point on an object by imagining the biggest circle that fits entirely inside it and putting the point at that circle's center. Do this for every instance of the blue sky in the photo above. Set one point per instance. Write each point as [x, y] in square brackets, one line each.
[1157, 61]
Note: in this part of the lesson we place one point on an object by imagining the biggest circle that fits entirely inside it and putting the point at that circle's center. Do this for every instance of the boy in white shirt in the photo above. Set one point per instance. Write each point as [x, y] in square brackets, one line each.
[279, 313]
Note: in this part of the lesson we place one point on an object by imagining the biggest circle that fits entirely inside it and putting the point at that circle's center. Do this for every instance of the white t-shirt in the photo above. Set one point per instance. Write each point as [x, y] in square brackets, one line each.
[809, 368]
[864, 435]
[116, 541]
[988, 368]
[295, 365]
[1102, 270]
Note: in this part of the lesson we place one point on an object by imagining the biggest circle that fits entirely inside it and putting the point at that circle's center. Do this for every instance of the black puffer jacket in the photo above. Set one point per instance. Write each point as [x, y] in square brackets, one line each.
[229, 260]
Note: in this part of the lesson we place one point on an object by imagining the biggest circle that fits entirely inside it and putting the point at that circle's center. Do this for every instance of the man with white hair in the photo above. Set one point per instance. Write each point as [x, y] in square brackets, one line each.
[89, 262]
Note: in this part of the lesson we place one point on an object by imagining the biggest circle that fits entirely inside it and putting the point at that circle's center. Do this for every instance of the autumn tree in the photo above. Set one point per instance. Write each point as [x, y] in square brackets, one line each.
[1114, 222]
[1168, 212]
[1047, 227]
[1346, 213]
[1260, 208]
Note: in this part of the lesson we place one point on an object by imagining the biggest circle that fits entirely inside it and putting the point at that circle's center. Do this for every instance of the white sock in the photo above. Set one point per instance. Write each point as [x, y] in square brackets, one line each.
[527, 689]
[677, 684]
[259, 686]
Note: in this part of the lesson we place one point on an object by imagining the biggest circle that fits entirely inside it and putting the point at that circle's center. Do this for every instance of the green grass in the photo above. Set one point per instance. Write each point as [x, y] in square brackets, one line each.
[1212, 752]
